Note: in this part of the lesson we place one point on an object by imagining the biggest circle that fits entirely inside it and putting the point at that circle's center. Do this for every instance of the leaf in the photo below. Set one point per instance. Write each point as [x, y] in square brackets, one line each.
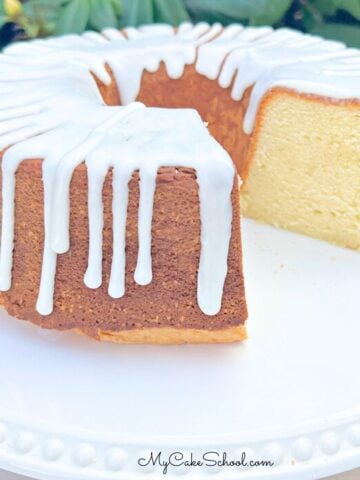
[40, 16]
[270, 11]
[117, 6]
[349, 34]
[102, 14]
[350, 6]
[2, 14]
[46, 9]
[272, 14]
[173, 12]
[137, 12]
[211, 17]
[325, 7]
[73, 17]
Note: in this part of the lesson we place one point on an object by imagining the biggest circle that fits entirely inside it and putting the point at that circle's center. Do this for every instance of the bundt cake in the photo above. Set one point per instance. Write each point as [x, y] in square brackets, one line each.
[141, 202]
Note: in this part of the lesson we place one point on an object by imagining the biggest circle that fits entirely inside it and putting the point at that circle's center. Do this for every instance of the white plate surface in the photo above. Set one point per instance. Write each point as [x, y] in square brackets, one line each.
[73, 408]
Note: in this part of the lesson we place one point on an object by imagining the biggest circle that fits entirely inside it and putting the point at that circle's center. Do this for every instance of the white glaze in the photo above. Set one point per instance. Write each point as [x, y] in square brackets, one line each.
[124, 139]
[53, 100]
[246, 55]
[238, 55]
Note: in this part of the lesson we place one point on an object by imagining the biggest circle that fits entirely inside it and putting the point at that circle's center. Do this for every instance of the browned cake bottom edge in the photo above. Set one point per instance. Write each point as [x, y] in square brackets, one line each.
[172, 335]
[156, 335]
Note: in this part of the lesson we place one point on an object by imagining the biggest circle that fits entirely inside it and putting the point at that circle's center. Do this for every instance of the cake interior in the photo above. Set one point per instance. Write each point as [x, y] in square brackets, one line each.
[164, 311]
[305, 169]
[301, 164]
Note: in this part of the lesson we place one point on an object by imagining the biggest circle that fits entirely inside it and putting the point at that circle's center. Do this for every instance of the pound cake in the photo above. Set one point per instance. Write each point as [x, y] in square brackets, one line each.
[123, 222]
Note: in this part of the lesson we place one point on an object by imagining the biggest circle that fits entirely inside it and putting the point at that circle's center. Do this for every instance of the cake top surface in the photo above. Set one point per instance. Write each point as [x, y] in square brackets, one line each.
[234, 55]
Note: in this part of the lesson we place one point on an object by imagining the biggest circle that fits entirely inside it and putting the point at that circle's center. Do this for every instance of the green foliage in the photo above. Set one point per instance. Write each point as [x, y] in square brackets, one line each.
[173, 12]
[338, 19]
[104, 14]
[334, 19]
[36, 17]
[75, 16]
[348, 34]
[249, 11]
[137, 12]
[350, 6]
[2, 14]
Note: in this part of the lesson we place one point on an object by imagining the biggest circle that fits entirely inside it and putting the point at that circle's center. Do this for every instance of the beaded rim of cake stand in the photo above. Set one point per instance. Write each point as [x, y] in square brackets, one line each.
[330, 448]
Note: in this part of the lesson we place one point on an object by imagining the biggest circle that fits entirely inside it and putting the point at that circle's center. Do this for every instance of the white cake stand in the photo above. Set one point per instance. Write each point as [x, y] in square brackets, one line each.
[72, 408]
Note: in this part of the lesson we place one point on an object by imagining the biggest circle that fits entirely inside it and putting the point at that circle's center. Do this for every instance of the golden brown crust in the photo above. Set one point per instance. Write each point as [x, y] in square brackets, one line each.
[223, 115]
[172, 336]
[270, 96]
[168, 306]
[169, 301]
[165, 311]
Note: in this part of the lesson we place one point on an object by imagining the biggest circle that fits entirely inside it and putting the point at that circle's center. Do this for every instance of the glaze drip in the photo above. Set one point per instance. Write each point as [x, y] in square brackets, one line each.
[59, 104]
[124, 139]
[244, 57]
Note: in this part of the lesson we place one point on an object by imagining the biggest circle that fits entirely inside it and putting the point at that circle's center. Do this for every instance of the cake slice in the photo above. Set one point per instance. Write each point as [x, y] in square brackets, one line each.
[126, 228]
[304, 168]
